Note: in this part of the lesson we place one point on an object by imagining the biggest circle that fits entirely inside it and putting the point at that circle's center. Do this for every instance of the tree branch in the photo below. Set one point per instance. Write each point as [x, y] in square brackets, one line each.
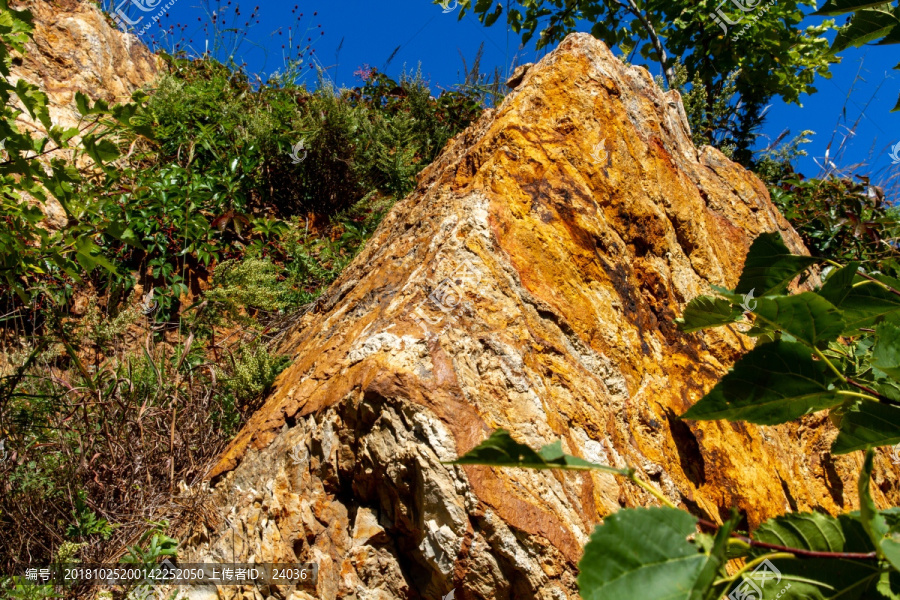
[667, 70]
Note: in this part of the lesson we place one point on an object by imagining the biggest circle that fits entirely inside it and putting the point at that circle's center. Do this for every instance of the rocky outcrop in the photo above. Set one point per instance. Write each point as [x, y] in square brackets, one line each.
[530, 282]
[76, 48]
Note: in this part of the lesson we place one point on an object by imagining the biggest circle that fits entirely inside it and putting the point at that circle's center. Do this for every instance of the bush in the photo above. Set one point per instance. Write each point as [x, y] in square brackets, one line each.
[198, 197]
[843, 219]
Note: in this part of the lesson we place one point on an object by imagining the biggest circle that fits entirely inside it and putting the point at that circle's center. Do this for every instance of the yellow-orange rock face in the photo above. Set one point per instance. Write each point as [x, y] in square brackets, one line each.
[530, 282]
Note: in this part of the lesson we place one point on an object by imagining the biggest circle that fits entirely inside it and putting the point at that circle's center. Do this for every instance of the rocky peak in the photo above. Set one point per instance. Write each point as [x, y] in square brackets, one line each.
[530, 282]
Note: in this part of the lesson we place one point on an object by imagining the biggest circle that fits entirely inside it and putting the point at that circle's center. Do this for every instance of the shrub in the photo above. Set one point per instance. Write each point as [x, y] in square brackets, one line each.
[843, 219]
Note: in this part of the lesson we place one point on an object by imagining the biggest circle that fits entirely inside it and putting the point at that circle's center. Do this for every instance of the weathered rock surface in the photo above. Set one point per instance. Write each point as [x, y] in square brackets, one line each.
[530, 282]
[75, 48]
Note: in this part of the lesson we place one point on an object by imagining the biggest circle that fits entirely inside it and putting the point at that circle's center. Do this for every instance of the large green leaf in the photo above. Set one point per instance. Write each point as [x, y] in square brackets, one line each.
[839, 283]
[770, 266]
[100, 150]
[818, 578]
[866, 424]
[872, 520]
[807, 531]
[501, 450]
[866, 26]
[862, 302]
[839, 7]
[643, 553]
[891, 549]
[706, 311]
[886, 354]
[773, 383]
[124, 233]
[808, 317]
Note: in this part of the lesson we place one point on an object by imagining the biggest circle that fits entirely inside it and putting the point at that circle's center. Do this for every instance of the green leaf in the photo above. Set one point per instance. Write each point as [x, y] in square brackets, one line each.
[773, 383]
[642, 553]
[808, 531]
[866, 304]
[706, 311]
[818, 578]
[872, 521]
[35, 102]
[839, 7]
[83, 104]
[886, 354]
[839, 284]
[770, 267]
[89, 255]
[891, 549]
[501, 450]
[718, 555]
[807, 317]
[491, 18]
[865, 26]
[122, 232]
[867, 424]
[101, 151]
[862, 301]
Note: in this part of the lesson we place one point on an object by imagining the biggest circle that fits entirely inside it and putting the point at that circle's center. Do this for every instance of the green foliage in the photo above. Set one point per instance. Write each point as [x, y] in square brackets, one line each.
[237, 286]
[842, 219]
[254, 372]
[501, 450]
[647, 553]
[712, 119]
[764, 389]
[766, 53]
[29, 251]
[151, 547]
[871, 22]
[775, 163]
[86, 522]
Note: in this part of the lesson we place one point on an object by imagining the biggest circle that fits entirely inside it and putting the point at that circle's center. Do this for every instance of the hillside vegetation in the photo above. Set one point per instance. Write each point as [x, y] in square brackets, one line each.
[208, 213]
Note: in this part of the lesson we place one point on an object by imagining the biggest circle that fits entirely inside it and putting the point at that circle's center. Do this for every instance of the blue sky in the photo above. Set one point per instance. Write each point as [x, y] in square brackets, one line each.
[863, 89]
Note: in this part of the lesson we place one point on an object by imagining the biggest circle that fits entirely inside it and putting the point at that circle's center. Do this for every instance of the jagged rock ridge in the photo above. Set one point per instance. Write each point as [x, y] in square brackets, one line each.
[530, 282]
